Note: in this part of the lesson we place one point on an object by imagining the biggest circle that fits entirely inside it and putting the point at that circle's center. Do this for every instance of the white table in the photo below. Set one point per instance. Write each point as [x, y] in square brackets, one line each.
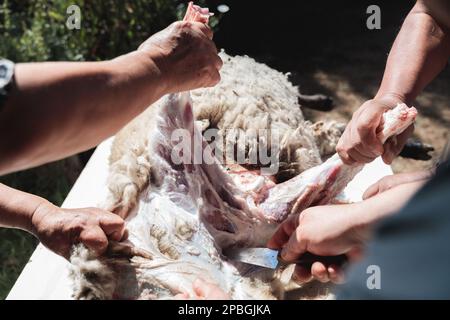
[45, 277]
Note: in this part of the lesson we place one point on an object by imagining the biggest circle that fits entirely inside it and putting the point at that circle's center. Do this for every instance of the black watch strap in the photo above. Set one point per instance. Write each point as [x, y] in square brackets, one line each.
[6, 79]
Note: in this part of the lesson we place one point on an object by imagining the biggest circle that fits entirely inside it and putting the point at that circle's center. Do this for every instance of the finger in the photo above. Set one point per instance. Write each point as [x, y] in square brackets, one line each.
[395, 144]
[118, 235]
[301, 274]
[390, 145]
[201, 287]
[208, 290]
[284, 231]
[341, 148]
[205, 29]
[358, 157]
[319, 271]
[295, 246]
[182, 296]
[125, 235]
[345, 157]
[373, 190]
[214, 78]
[113, 226]
[366, 130]
[65, 250]
[95, 239]
[366, 152]
[355, 254]
[335, 273]
[218, 62]
[368, 149]
[364, 144]
[189, 12]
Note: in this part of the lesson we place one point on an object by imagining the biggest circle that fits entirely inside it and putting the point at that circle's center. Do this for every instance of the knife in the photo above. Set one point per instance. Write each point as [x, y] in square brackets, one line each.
[268, 258]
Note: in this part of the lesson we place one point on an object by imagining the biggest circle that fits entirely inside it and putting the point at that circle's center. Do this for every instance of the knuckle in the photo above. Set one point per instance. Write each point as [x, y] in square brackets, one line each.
[364, 126]
[119, 223]
[177, 26]
[215, 78]
[358, 145]
[340, 147]
[185, 25]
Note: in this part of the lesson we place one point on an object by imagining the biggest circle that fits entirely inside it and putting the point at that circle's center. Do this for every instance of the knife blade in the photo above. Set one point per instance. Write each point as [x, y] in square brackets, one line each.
[271, 259]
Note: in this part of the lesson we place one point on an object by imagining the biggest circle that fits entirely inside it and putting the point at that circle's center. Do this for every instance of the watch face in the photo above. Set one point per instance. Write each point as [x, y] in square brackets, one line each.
[6, 72]
[6, 78]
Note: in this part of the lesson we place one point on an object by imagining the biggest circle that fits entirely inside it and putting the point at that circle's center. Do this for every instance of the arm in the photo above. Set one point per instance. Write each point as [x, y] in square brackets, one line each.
[58, 229]
[60, 108]
[389, 182]
[336, 229]
[420, 51]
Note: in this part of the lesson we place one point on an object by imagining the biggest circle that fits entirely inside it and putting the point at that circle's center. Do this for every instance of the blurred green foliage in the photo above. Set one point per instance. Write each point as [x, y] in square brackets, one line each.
[53, 182]
[36, 31]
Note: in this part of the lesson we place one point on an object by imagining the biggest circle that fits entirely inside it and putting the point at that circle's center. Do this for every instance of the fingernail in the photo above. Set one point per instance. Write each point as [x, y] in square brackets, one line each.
[284, 255]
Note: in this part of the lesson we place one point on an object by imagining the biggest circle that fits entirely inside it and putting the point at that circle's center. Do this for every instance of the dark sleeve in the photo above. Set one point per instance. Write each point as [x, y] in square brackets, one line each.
[6, 79]
[411, 250]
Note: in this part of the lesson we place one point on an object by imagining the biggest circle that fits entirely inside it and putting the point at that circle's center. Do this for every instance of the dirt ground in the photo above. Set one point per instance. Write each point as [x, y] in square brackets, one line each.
[433, 122]
[328, 49]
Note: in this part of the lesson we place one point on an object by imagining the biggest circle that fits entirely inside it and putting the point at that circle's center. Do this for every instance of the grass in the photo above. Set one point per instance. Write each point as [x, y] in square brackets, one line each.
[53, 182]
[16, 246]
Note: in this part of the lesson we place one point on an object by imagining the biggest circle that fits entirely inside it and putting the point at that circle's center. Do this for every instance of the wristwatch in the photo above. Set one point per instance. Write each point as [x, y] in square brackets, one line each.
[6, 79]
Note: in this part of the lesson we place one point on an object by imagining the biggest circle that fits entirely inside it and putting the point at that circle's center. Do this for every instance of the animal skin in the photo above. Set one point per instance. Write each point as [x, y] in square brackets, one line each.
[249, 97]
[191, 212]
[181, 215]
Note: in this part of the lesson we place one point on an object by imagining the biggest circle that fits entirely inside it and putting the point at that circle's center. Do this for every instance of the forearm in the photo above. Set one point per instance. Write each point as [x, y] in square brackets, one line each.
[420, 51]
[17, 208]
[370, 211]
[409, 177]
[61, 108]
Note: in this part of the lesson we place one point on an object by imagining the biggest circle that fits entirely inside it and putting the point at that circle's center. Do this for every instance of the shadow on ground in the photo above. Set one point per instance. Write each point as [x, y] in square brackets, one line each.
[328, 49]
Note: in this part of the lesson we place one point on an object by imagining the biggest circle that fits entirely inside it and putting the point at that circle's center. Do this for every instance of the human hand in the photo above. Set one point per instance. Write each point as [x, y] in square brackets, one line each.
[185, 55]
[324, 231]
[59, 229]
[204, 291]
[389, 182]
[359, 142]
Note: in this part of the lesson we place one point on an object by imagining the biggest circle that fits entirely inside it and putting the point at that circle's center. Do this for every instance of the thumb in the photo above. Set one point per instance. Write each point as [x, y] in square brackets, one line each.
[295, 247]
[355, 254]
[371, 191]
[284, 231]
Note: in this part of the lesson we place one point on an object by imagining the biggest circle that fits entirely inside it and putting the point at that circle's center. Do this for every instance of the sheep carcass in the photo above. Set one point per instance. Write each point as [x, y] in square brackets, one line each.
[193, 211]
[180, 215]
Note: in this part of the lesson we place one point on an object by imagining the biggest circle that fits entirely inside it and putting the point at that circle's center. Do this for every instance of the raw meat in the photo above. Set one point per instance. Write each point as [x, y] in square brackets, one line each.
[192, 210]
[319, 185]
